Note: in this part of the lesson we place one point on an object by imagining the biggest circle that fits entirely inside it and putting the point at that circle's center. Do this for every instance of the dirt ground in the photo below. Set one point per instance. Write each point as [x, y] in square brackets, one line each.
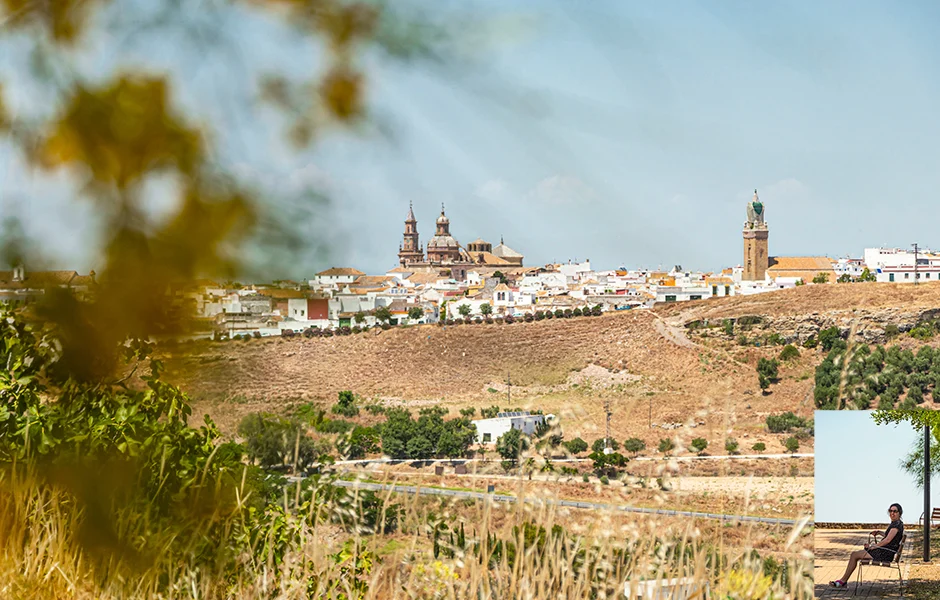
[568, 367]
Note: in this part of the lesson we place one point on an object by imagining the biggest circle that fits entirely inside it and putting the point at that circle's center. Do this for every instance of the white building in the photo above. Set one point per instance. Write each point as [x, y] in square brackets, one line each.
[335, 277]
[894, 265]
[490, 430]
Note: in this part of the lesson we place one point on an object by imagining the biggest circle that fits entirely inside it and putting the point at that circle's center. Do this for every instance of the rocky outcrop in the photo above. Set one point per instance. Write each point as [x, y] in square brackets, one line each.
[871, 325]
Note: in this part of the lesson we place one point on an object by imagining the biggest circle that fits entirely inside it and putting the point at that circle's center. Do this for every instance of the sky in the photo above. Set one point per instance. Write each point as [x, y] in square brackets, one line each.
[857, 469]
[631, 134]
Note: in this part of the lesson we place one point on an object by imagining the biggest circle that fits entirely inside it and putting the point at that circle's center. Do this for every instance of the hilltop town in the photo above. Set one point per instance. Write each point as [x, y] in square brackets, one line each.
[445, 282]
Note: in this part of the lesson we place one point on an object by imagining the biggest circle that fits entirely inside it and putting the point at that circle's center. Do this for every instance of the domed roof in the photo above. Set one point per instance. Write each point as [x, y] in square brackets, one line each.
[443, 220]
[442, 241]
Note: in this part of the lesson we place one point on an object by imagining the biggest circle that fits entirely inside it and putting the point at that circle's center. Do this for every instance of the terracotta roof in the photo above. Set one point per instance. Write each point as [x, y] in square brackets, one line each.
[340, 271]
[370, 280]
[501, 288]
[488, 258]
[718, 281]
[424, 278]
[800, 263]
[401, 270]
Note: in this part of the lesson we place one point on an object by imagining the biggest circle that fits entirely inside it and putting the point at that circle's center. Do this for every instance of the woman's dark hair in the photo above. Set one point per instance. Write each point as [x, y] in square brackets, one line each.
[898, 506]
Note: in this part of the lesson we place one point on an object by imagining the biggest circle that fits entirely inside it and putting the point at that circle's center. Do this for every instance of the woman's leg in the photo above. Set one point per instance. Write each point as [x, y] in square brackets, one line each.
[853, 562]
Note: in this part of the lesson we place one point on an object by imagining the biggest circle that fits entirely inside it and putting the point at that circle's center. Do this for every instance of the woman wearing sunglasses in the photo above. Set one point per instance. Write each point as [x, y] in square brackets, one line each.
[883, 551]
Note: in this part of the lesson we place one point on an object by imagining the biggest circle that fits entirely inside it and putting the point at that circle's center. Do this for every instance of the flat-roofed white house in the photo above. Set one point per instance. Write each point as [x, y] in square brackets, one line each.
[490, 430]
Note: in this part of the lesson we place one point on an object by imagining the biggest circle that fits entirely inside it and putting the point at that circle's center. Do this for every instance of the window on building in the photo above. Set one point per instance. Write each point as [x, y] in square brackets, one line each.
[727, 290]
[714, 290]
[695, 297]
[907, 276]
[487, 437]
[891, 277]
[670, 298]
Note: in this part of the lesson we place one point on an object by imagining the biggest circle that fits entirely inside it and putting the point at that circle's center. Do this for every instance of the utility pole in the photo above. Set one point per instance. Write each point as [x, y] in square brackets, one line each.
[916, 274]
[607, 434]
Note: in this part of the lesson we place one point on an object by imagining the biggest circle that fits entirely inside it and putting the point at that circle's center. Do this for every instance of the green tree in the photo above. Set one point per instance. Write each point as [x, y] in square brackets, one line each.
[576, 446]
[731, 446]
[789, 352]
[598, 445]
[634, 445]
[360, 317]
[666, 445]
[607, 465]
[511, 445]
[867, 275]
[359, 442]
[844, 278]
[486, 309]
[499, 276]
[490, 413]
[383, 314]
[821, 277]
[699, 445]
[791, 444]
[346, 404]
[759, 447]
[464, 310]
[468, 412]
[415, 313]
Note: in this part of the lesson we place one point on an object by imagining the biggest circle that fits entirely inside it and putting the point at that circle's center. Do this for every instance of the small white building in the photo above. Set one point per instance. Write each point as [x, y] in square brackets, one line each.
[490, 430]
[335, 277]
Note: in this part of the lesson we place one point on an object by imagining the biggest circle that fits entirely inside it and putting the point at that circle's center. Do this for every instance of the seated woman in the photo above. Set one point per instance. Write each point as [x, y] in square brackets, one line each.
[883, 551]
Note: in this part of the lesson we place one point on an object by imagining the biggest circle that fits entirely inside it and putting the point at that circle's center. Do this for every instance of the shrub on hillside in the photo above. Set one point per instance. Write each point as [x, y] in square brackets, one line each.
[345, 405]
[784, 422]
[789, 352]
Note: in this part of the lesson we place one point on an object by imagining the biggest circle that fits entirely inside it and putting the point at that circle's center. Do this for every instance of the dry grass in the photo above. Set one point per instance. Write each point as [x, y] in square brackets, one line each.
[41, 556]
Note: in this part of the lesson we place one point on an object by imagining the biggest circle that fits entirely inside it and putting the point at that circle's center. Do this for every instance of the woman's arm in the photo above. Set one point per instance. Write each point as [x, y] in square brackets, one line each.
[886, 540]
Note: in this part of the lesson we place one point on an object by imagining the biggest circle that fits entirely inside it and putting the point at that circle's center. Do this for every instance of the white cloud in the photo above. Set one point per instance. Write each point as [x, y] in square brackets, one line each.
[561, 190]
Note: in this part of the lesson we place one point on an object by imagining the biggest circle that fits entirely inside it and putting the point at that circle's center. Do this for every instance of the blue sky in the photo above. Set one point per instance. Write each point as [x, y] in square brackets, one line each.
[628, 133]
[857, 469]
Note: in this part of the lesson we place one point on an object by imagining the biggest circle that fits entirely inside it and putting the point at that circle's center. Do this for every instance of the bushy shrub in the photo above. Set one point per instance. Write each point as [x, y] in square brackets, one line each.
[784, 422]
[789, 352]
[346, 405]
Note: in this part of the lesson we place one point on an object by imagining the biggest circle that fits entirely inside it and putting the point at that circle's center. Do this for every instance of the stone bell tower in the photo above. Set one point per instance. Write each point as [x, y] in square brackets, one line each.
[756, 257]
[409, 251]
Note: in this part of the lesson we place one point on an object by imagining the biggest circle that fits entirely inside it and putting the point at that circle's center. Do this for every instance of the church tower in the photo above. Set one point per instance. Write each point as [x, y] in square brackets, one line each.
[756, 258]
[410, 250]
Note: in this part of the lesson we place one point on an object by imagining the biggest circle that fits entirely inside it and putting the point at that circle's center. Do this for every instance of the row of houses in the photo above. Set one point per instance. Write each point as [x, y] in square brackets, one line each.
[347, 297]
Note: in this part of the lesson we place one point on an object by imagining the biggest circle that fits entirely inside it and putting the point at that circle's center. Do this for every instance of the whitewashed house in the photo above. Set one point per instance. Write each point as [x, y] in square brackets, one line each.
[490, 430]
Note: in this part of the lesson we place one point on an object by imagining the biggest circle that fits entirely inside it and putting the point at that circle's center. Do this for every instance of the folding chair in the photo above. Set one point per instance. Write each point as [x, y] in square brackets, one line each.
[893, 564]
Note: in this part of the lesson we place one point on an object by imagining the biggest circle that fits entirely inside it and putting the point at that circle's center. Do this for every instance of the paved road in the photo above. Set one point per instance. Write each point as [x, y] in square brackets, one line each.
[363, 461]
[410, 489]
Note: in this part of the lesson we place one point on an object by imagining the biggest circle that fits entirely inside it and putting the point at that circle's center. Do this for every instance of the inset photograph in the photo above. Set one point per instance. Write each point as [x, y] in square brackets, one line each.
[873, 499]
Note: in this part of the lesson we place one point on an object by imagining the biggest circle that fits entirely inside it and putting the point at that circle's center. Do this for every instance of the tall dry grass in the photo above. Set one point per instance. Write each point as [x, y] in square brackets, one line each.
[315, 544]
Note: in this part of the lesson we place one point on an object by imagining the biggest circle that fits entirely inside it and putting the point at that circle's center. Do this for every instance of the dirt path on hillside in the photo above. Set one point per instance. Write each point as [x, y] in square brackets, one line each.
[672, 333]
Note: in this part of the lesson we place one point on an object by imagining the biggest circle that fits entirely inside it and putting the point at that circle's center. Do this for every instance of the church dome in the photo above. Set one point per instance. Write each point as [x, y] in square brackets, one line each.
[443, 220]
[442, 241]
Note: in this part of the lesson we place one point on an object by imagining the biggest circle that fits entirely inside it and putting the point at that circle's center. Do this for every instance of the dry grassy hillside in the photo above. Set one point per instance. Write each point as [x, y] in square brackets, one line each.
[812, 299]
[650, 372]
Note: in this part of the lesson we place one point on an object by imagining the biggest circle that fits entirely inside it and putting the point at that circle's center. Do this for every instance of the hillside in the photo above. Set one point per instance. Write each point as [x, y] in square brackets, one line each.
[647, 366]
